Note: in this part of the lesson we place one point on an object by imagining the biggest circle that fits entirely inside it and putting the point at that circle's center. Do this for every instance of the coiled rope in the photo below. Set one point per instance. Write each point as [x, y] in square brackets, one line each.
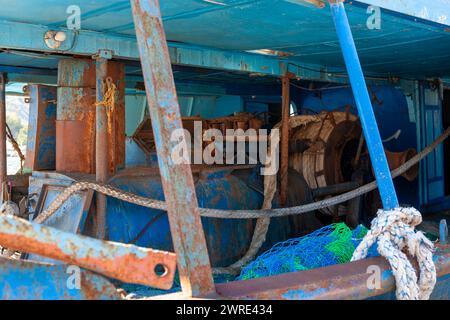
[394, 231]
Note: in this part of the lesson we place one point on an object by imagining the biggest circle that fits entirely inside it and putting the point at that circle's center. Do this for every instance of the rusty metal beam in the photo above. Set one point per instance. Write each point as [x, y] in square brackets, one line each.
[25, 280]
[284, 159]
[338, 282]
[186, 228]
[126, 263]
[3, 164]
[101, 145]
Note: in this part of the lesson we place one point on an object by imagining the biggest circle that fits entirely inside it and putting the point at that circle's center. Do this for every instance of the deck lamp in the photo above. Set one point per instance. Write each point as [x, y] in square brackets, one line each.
[54, 39]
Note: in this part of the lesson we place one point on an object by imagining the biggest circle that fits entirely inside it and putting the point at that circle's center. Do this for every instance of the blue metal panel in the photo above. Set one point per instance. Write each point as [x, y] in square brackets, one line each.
[89, 43]
[245, 25]
[136, 157]
[365, 111]
[430, 112]
[227, 240]
[134, 112]
[41, 146]
[32, 281]
[227, 105]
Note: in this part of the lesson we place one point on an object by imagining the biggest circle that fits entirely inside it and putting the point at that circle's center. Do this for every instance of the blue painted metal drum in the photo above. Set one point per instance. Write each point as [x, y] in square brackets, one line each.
[228, 240]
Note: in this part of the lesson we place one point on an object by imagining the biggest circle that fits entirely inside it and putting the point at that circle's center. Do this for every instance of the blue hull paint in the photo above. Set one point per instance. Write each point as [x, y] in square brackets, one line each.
[23, 280]
[228, 240]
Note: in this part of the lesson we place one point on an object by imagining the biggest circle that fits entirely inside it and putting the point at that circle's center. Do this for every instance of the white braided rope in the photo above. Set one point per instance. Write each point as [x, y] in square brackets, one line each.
[394, 231]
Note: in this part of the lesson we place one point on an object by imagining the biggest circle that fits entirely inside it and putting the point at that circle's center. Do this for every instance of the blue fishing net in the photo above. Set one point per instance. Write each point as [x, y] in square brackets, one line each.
[333, 244]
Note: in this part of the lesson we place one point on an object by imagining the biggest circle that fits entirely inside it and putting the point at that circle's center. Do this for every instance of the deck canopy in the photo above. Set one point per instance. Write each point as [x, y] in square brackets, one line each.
[412, 38]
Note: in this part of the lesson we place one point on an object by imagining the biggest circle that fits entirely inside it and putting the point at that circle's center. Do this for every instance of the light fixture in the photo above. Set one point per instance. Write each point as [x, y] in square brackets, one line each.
[54, 39]
[60, 36]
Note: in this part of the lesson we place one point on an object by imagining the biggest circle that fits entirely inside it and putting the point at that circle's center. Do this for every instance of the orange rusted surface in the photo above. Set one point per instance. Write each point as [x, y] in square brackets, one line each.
[116, 123]
[338, 282]
[75, 130]
[70, 156]
[127, 263]
[76, 102]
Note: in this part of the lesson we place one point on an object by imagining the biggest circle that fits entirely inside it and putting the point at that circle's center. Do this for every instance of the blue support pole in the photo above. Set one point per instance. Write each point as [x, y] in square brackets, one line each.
[364, 105]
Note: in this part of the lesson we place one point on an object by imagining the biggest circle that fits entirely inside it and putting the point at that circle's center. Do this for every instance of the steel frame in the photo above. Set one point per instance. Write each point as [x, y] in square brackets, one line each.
[127, 263]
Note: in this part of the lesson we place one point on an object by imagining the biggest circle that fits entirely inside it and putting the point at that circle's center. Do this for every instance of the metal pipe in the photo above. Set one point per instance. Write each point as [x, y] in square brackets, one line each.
[126, 263]
[284, 160]
[182, 207]
[337, 282]
[3, 154]
[363, 102]
[101, 146]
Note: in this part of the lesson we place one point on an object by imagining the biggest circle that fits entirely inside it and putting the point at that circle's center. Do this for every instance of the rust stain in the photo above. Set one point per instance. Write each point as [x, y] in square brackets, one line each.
[126, 263]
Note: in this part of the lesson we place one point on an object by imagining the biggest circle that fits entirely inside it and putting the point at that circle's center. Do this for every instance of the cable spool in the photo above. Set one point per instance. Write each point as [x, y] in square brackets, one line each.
[323, 149]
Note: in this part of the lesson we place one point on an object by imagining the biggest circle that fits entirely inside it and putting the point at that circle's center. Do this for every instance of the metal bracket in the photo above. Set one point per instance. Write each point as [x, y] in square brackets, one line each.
[103, 54]
[127, 263]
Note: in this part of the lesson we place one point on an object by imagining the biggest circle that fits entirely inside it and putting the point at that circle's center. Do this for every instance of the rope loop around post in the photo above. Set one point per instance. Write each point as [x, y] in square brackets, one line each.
[109, 90]
[394, 231]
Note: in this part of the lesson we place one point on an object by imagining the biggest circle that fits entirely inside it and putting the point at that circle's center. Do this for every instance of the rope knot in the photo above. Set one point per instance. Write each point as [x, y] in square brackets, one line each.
[394, 231]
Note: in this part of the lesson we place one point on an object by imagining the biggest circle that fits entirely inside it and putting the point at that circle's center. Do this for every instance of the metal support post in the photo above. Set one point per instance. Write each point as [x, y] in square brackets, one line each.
[364, 105]
[101, 143]
[178, 183]
[3, 164]
[284, 161]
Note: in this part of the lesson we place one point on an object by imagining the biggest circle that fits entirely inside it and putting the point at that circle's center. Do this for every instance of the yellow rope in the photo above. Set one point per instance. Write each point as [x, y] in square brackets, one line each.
[109, 96]
[16, 147]
[109, 100]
